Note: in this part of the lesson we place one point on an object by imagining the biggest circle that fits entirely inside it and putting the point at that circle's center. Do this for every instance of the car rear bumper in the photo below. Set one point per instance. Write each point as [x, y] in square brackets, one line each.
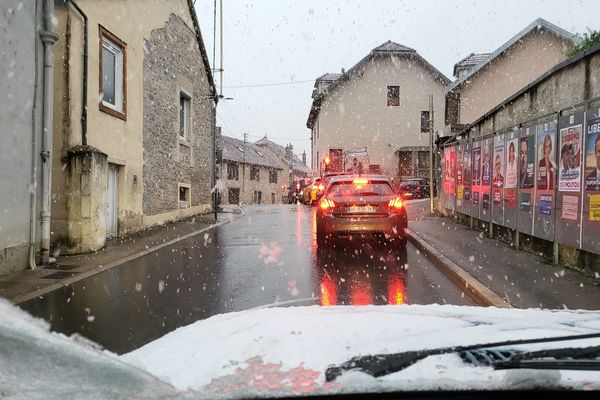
[393, 224]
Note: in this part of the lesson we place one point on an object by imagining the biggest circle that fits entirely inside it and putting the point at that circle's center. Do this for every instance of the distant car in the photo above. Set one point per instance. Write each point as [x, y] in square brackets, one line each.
[361, 204]
[417, 188]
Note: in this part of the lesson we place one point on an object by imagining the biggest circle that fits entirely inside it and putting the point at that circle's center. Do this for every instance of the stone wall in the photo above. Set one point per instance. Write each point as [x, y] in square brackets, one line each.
[173, 63]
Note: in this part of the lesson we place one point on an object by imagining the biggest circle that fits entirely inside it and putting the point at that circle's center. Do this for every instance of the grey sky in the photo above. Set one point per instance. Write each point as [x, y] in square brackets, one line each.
[276, 41]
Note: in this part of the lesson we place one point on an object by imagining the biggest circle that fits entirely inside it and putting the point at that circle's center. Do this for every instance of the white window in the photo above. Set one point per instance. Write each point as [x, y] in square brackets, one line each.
[112, 75]
[184, 116]
[184, 195]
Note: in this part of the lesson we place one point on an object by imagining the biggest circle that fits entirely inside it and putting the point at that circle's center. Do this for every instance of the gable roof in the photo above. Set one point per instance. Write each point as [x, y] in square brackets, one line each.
[283, 155]
[539, 24]
[245, 152]
[388, 48]
[469, 61]
[200, 41]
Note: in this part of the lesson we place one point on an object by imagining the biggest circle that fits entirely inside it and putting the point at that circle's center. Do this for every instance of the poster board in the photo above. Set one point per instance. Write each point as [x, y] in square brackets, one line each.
[498, 179]
[526, 180]
[476, 179]
[486, 179]
[570, 177]
[545, 180]
[511, 181]
[590, 218]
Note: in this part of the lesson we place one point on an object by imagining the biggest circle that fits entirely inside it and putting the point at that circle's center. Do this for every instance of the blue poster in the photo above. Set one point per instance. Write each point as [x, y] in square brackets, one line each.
[546, 204]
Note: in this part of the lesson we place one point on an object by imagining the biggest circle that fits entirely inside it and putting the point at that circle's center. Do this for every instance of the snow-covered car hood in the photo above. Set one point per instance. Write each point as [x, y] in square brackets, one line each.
[285, 351]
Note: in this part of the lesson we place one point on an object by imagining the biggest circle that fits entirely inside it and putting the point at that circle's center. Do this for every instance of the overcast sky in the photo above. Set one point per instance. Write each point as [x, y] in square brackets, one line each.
[282, 41]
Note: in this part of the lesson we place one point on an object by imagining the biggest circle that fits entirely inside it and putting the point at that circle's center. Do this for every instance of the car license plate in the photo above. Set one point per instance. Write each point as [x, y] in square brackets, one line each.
[361, 209]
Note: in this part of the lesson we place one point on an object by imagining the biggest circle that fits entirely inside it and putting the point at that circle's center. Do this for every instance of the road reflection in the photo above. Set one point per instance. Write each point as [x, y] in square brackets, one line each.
[357, 272]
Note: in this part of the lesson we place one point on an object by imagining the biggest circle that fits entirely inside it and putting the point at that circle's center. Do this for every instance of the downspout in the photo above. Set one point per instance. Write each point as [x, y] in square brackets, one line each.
[34, 133]
[85, 73]
[48, 38]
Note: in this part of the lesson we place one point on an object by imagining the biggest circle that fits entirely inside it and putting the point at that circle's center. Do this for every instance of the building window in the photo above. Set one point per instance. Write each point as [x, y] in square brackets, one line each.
[256, 197]
[184, 196]
[272, 198]
[233, 196]
[272, 176]
[424, 121]
[423, 160]
[112, 68]
[393, 95]
[184, 116]
[233, 171]
[254, 173]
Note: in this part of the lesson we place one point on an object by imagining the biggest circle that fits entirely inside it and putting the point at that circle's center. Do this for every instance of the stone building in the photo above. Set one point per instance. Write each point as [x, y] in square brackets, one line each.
[132, 126]
[295, 167]
[248, 175]
[379, 103]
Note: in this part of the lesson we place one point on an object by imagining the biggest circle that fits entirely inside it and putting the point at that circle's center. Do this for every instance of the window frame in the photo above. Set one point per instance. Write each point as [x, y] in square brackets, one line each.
[390, 100]
[187, 188]
[254, 176]
[113, 44]
[272, 176]
[233, 171]
[187, 98]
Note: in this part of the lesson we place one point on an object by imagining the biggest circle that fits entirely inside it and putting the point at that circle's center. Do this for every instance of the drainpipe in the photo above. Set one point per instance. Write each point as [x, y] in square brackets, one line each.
[85, 73]
[34, 133]
[48, 38]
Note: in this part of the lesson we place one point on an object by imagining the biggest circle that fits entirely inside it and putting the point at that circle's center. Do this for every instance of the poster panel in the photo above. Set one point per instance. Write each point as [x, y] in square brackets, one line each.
[498, 180]
[449, 177]
[546, 173]
[476, 179]
[486, 179]
[459, 177]
[467, 173]
[591, 190]
[526, 179]
[568, 196]
[511, 178]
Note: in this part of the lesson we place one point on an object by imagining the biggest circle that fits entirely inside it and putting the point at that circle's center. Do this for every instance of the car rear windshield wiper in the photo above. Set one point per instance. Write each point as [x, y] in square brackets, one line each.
[385, 364]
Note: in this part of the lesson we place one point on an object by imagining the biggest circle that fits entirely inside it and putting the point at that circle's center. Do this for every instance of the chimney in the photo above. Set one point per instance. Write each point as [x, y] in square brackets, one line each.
[304, 157]
[289, 150]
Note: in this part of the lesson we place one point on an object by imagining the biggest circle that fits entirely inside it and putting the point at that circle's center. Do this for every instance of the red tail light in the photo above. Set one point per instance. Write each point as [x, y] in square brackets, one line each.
[327, 204]
[395, 203]
[321, 188]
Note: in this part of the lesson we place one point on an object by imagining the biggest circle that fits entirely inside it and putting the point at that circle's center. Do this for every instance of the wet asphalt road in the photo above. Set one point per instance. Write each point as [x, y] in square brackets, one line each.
[267, 257]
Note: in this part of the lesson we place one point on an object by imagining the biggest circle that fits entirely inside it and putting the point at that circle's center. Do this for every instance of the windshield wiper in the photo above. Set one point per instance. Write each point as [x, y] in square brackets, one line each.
[385, 364]
[585, 358]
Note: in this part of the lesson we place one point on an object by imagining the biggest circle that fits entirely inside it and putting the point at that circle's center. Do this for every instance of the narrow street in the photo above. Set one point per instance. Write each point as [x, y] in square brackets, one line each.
[267, 257]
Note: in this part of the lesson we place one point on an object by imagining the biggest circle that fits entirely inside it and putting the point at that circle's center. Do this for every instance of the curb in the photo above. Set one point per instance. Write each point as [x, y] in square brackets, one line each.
[101, 268]
[480, 293]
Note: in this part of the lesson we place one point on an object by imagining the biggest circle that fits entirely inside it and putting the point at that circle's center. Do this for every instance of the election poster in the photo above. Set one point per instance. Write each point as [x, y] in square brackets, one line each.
[569, 173]
[546, 171]
[467, 174]
[476, 165]
[498, 180]
[570, 208]
[592, 157]
[527, 161]
[511, 165]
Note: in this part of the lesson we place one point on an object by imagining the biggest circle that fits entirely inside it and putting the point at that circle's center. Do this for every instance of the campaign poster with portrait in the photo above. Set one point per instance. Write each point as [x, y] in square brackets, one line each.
[546, 169]
[467, 171]
[498, 172]
[569, 168]
[476, 165]
[459, 177]
[510, 181]
[592, 158]
[485, 166]
[526, 161]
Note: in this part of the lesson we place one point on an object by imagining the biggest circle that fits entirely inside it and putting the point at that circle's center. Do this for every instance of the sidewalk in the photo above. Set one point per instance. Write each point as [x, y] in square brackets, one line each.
[522, 279]
[24, 285]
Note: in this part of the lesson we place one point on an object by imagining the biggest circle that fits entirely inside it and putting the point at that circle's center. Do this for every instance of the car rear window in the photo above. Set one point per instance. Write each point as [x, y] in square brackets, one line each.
[376, 188]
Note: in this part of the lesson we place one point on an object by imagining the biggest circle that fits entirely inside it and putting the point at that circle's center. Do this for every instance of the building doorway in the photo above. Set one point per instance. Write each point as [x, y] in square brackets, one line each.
[112, 201]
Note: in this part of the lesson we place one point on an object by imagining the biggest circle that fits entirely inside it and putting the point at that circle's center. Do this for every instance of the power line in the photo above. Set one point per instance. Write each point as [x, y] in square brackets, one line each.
[269, 84]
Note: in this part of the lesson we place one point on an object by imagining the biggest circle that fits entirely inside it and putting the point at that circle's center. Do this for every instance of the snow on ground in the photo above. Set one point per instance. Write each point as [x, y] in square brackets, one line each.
[287, 350]
[38, 364]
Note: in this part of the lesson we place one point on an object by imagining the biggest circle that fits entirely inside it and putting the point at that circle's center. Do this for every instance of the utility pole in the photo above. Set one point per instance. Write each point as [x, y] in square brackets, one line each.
[430, 133]
[221, 45]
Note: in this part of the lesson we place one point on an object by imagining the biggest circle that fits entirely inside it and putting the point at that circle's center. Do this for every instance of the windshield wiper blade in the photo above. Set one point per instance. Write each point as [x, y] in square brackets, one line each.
[385, 364]
[585, 358]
